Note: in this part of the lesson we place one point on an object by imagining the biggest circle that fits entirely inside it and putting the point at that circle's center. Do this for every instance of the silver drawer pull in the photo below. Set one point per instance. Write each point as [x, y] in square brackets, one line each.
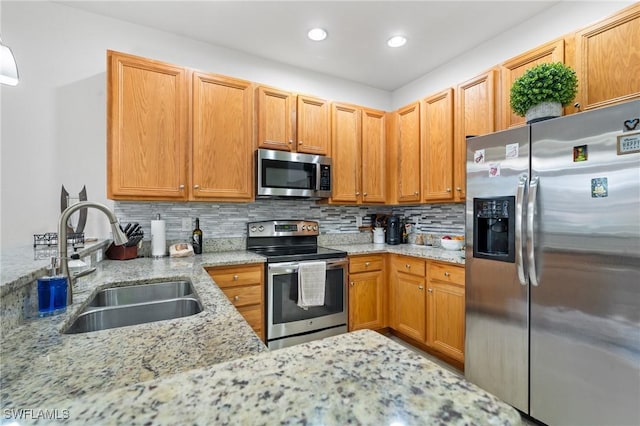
[407, 266]
[366, 264]
[236, 298]
[446, 274]
[235, 278]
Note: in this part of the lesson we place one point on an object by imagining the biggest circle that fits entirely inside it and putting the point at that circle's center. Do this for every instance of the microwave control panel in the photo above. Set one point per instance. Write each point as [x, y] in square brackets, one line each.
[325, 177]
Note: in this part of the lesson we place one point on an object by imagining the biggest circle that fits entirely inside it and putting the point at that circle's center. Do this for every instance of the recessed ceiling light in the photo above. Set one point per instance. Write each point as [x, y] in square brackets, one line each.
[317, 34]
[396, 41]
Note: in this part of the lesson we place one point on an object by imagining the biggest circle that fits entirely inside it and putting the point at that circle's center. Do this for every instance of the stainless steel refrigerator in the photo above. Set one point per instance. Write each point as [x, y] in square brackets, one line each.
[553, 267]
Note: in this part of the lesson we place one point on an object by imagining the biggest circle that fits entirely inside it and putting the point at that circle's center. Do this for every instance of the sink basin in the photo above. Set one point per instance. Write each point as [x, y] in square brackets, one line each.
[136, 304]
[139, 313]
[141, 293]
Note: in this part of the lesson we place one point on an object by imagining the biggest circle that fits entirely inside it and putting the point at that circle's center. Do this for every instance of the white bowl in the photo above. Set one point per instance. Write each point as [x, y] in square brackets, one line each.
[451, 244]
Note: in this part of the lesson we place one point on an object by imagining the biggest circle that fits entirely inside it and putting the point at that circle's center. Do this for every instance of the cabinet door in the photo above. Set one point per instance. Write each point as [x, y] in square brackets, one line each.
[313, 125]
[373, 181]
[147, 141]
[276, 118]
[608, 60]
[222, 158]
[408, 140]
[513, 69]
[410, 306]
[437, 166]
[475, 115]
[365, 300]
[345, 153]
[446, 319]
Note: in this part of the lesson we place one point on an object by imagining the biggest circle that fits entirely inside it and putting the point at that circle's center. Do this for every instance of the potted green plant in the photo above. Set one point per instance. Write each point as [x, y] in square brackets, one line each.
[542, 91]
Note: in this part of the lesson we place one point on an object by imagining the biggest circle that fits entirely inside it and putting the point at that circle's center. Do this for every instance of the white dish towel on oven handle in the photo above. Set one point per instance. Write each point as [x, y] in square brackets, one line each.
[312, 277]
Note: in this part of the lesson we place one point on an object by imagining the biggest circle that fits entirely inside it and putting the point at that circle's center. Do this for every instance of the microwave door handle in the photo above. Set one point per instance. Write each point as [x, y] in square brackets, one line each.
[520, 198]
[318, 176]
[531, 246]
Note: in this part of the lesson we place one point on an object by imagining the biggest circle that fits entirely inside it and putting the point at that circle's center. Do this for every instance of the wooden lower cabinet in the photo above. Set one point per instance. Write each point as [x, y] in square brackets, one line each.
[426, 304]
[244, 286]
[445, 309]
[407, 283]
[367, 292]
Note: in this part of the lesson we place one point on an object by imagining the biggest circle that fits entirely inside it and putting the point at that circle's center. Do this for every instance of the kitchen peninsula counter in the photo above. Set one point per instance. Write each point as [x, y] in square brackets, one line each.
[424, 252]
[212, 368]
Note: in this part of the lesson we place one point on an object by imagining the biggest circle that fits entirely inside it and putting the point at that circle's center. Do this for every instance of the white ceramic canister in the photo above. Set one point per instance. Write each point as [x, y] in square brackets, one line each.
[378, 235]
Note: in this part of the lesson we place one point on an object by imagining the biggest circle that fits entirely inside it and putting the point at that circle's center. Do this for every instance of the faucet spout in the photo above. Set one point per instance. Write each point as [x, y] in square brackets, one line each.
[119, 238]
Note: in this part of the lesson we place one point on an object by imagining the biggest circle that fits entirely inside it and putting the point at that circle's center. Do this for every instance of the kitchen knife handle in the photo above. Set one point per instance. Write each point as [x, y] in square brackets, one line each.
[520, 195]
[531, 252]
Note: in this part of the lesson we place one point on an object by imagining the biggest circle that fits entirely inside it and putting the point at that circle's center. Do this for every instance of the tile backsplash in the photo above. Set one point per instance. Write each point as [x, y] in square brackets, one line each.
[224, 220]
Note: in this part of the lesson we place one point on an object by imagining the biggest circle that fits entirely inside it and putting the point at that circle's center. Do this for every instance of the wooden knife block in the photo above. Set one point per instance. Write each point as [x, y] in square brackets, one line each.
[121, 252]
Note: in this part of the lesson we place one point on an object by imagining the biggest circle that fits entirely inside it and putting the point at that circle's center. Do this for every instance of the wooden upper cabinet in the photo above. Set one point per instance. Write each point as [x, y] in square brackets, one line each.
[408, 140]
[373, 151]
[514, 68]
[147, 122]
[275, 118]
[437, 147]
[475, 114]
[608, 60]
[345, 153]
[313, 125]
[222, 138]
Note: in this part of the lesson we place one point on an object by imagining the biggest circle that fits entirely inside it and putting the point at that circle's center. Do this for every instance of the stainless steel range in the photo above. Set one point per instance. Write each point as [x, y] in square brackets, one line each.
[289, 245]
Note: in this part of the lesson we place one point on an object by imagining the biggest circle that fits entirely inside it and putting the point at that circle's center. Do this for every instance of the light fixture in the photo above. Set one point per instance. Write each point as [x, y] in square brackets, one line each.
[317, 34]
[397, 41]
[8, 68]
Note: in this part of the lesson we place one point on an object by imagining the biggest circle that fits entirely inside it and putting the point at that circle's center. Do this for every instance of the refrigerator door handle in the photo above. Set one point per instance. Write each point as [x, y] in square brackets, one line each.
[520, 195]
[531, 206]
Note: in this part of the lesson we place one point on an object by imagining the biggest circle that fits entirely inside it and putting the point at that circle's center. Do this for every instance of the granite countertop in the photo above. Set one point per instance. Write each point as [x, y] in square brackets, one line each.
[355, 378]
[40, 365]
[211, 367]
[425, 252]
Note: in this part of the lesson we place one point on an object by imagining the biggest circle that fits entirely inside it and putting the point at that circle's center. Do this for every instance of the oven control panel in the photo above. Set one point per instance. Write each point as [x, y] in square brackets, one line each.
[282, 228]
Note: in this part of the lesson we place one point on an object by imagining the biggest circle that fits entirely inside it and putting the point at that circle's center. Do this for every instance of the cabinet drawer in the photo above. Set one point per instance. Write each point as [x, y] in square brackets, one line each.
[409, 265]
[365, 264]
[446, 273]
[242, 296]
[237, 276]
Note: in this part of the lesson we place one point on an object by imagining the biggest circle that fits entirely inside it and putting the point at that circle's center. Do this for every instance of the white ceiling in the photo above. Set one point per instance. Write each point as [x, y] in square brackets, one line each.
[355, 50]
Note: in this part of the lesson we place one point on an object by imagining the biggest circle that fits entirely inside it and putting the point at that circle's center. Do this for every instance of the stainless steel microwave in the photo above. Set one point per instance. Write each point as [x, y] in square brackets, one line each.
[290, 174]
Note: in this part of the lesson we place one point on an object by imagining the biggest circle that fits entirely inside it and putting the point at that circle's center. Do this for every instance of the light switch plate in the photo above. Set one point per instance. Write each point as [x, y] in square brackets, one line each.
[186, 224]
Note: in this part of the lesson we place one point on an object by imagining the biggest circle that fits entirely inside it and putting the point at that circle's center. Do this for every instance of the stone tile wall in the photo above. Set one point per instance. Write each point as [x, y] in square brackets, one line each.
[229, 220]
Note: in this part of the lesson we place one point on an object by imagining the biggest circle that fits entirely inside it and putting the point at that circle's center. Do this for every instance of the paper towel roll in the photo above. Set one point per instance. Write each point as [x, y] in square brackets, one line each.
[158, 238]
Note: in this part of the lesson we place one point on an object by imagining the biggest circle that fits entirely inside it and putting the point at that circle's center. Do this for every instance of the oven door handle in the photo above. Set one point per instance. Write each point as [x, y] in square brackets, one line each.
[284, 268]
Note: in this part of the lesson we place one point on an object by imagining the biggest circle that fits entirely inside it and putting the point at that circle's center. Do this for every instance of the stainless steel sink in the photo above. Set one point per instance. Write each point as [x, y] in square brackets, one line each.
[141, 293]
[139, 313]
[136, 304]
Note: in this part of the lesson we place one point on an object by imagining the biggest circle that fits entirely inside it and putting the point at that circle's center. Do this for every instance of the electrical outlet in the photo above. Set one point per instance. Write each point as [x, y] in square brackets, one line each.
[186, 224]
[358, 221]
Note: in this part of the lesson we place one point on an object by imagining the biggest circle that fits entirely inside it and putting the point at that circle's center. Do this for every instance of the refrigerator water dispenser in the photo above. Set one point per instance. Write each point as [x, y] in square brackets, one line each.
[494, 228]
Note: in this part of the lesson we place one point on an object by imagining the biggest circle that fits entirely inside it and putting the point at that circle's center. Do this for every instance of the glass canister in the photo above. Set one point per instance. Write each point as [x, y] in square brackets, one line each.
[52, 295]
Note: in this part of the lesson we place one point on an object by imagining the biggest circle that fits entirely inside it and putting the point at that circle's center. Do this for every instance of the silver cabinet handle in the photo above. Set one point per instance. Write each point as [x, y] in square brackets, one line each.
[448, 189]
[236, 298]
[235, 278]
[420, 287]
[365, 194]
[352, 283]
[366, 264]
[407, 266]
[446, 274]
[458, 189]
[430, 290]
[357, 192]
[290, 141]
[181, 186]
[300, 143]
[416, 193]
[531, 207]
[196, 186]
[519, 242]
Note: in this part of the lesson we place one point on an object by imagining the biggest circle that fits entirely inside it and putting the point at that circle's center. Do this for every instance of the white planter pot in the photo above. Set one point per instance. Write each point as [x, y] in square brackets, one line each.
[543, 111]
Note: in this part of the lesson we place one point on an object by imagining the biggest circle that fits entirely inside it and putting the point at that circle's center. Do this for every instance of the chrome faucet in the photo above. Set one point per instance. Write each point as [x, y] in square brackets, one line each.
[118, 238]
